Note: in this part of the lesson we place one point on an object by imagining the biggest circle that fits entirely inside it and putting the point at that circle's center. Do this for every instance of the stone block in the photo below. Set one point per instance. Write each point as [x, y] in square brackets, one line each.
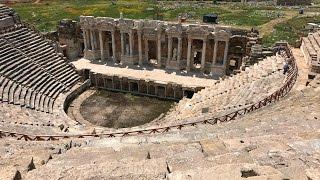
[213, 147]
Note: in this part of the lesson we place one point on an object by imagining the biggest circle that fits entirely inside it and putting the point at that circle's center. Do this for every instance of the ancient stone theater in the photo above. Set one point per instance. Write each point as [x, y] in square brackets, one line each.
[116, 98]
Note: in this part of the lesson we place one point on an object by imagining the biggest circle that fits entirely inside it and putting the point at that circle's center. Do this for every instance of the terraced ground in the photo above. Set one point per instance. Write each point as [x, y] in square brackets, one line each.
[274, 23]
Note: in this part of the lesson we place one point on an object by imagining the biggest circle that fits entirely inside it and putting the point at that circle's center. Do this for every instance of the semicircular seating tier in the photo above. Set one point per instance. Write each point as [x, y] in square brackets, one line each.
[5, 11]
[32, 73]
[234, 93]
[311, 50]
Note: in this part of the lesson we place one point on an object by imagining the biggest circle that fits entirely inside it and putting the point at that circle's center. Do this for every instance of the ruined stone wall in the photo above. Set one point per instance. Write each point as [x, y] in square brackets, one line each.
[70, 38]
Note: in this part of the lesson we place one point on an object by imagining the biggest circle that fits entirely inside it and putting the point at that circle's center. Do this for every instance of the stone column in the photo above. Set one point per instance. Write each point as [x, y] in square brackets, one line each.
[92, 40]
[156, 90]
[165, 91]
[96, 40]
[113, 46]
[147, 83]
[104, 82]
[159, 47]
[122, 44]
[106, 46]
[113, 82]
[140, 47]
[101, 45]
[85, 39]
[226, 49]
[189, 54]
[131, 42]
[88, 43]
[169, 49]
[121, 83]
[129, 85]
[179, 51]
[203, 57]
[146, 48]
[215, 50]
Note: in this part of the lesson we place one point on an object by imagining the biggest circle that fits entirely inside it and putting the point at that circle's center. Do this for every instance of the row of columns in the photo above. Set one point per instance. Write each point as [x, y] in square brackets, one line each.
[203, 53]
[90, 34]
[93, 45]
[170, 55]
[124, 43]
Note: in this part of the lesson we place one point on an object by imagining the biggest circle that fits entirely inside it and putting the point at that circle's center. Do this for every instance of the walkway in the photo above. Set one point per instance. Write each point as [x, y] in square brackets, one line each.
[157, 75]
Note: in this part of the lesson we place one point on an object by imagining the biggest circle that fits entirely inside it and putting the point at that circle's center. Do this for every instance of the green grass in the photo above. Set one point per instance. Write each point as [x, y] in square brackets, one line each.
[291, 30]
[248, 17]
[46, 14]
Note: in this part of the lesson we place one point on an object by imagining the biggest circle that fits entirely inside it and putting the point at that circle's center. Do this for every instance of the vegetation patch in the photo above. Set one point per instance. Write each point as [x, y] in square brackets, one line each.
[290, 30]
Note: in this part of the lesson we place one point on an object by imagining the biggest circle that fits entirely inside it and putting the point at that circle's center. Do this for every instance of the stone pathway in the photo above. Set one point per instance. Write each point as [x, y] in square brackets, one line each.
[267, 28]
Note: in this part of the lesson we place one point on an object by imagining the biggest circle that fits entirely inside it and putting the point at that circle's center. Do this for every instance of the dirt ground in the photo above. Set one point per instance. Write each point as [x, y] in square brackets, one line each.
[119, 110]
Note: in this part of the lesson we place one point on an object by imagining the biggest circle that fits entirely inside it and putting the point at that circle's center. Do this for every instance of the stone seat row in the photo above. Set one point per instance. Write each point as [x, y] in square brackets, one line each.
[237, 81]
[311, 45]
[3, 16]
[14, 93]
[18, 119]
[15, 62]
[231, 94]
[32, 74]
[5, 11]
[235, 99]
[247, 98]
[42, 53]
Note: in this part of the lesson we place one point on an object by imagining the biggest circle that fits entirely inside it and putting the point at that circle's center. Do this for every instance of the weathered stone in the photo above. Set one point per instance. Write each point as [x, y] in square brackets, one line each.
[31, 166]
[213, 147]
